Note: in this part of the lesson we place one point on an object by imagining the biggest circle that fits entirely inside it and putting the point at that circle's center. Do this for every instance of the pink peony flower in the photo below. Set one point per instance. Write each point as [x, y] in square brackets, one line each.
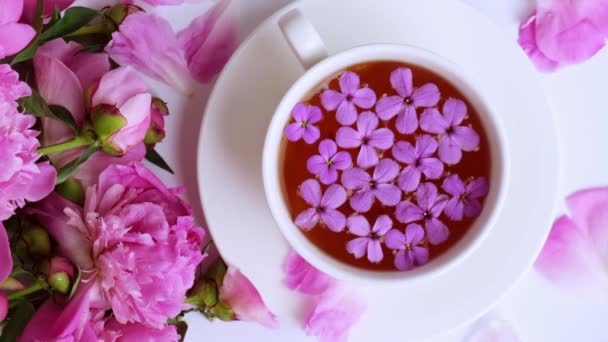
[243, 298]
[6, 266]
[13, 35]
[334, 314]
[29, 8]
[575, 255]
[132, 235]
[561, 33]
[303, 277]
[11, 88]
[110, 330]
[209, 41]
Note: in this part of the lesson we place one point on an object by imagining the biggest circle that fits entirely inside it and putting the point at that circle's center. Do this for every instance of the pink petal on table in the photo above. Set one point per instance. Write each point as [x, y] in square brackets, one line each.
[14, 37]
[29, 8]
[401, 80]
[332, 99]
[245, 300]
[407, 121]
[209, 41]
[493, 331]
[389, 106]
[358, 247]
[358, 225]
[6, 260]
[305, 278]
[426, 96]
[527, 41]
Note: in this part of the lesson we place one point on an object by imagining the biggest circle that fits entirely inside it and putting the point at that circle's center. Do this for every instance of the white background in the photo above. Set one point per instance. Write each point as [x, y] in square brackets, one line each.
[538, 311]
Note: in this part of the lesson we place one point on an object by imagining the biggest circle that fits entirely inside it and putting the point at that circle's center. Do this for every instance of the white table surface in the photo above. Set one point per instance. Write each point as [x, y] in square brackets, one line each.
[538, 311]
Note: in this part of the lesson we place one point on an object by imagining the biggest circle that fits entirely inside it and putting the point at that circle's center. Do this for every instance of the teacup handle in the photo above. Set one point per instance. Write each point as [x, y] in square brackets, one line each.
[303, 38]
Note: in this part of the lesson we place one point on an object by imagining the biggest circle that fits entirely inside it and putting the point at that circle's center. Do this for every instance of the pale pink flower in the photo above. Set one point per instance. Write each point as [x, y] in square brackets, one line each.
[575, 255]
[13, 35]
[303, 277]
[29, 7]
[245, 300]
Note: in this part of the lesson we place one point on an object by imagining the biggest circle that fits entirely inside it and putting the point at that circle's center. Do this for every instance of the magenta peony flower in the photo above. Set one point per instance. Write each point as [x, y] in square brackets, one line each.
[303, 277]
[11, 88]
[13, 35]
[132, 235]
[109, 330]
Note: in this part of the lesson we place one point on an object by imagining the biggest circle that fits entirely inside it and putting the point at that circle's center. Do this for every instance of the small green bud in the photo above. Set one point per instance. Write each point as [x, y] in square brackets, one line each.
[118, 13]
[203, 294]
[60, 282]
[223, 312]
[107, 120]
[37, 241]
[71, 190]
[11, 284]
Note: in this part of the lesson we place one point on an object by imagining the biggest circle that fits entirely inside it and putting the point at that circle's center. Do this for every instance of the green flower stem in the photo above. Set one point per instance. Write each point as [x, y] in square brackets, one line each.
[40, 284]
[78, 141]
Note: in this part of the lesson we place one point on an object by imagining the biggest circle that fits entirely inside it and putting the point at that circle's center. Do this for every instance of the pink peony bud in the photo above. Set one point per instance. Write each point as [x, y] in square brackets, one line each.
[156, 132]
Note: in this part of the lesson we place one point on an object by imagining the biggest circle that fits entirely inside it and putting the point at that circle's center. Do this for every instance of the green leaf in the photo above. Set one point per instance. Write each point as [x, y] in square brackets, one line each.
[62, 114]
[153, 157]
[73, 19]
[37, 106]
[68, 170]
[89, 41]
[19, 317]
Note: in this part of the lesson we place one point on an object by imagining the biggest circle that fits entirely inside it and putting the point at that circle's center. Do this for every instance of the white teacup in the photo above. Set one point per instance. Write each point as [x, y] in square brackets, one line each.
[310, 50]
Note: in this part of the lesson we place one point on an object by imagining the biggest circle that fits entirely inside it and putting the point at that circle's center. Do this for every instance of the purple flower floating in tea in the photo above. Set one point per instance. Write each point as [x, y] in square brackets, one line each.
[419, 159]
[350, 97]
[411, 250]
[465, 200]
[305, 117]
[327, 163]
[323, 206]
[408, 99]
[454, 137]
[368, 137]
[369, 188]
[430, 206]
[370, 239]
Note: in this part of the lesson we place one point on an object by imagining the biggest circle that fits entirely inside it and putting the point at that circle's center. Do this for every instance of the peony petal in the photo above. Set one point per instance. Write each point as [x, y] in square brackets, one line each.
[355, 178]
[11, 12]
[358, 225]
[294, 131]
[383, 225]
[389, 106]
[334, 220]
[42, 184]
[449, 151]
[388, 194]
[3, 306]
[334, 314]
[374, 251]
[386, 171]
[245, 300]
[401, 80]
[454, 209]
[303, 277]
[407, 121]
[118, 86]
[328, 176]
[395, 239]
[436, 231]
[358, 246]
[454, 111]
[334, 197]
[426, 96]
[404, 261]
[453, 185]
[209, 41]
[89, 67]
[414, 233]
[432, 121]
[466, 138]
[14, 37]
[364, 98]
[527, 41]
[362, 200]
[431, 167]
[404, 152]
[349, 82]
[327, 148]
[382, 138]
[426, 195]
[407, 212]
[310, 190]
[316, 165]
[347, 137]
[137, 113]
[367, 123]
[409, 179]
[307, 219]
[478, 187]
[342, 160]
[367, 157]
[347, 113]
[332, 99]
[311, 134]
[472, 208]
[6, 260]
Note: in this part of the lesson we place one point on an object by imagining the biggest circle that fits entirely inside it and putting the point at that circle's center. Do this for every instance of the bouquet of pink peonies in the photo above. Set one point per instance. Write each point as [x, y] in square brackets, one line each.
[93, 246]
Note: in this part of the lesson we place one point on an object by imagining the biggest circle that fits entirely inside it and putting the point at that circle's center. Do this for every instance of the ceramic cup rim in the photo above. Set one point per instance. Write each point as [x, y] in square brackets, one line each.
[307, 85]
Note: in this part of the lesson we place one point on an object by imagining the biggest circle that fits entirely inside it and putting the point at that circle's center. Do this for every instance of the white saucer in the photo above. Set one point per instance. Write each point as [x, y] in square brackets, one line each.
[249, 89]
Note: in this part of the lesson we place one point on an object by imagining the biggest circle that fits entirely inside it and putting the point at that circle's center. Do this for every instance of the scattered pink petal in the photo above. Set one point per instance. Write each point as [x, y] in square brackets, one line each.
[303, 277]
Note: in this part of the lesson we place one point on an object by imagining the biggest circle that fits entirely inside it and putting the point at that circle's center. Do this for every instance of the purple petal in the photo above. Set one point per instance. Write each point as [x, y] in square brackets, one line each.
[294, 131]
[307, 219]
[374, 251]
[349, 82]
[367, 157]
[367, 122]
[449, 151]
[454, 209]
[382, 138]
[364, 98]
[454, 111]
[388, 194]
[409, 179]
[426, 145]
[431, 167]
[403, 261]
[389, 106]
[407, 121]
[472, 208]
[395, 239]
[426, 195]
[342, 160]
[386, 171]
[478, 187]
[404, 152]
[453, 185]
[300, 112]
[327, 148]
[14, 37]
[407, 212]
[420, 255]
[334, 220]
[310, 190]
[527, 41]
[436, 231]
[314, 114]
[347, 137]
[433, 122]
[334, 197]
[401, 80]
[426, 96]
[355, 178]
[358, 225]
[414, 233]
[383, 225]
[332, 99]
[440, 203]
[311, 134]
[328, 176]
[466, 138]
[362, 201]
[358, 246]
[316, 165]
